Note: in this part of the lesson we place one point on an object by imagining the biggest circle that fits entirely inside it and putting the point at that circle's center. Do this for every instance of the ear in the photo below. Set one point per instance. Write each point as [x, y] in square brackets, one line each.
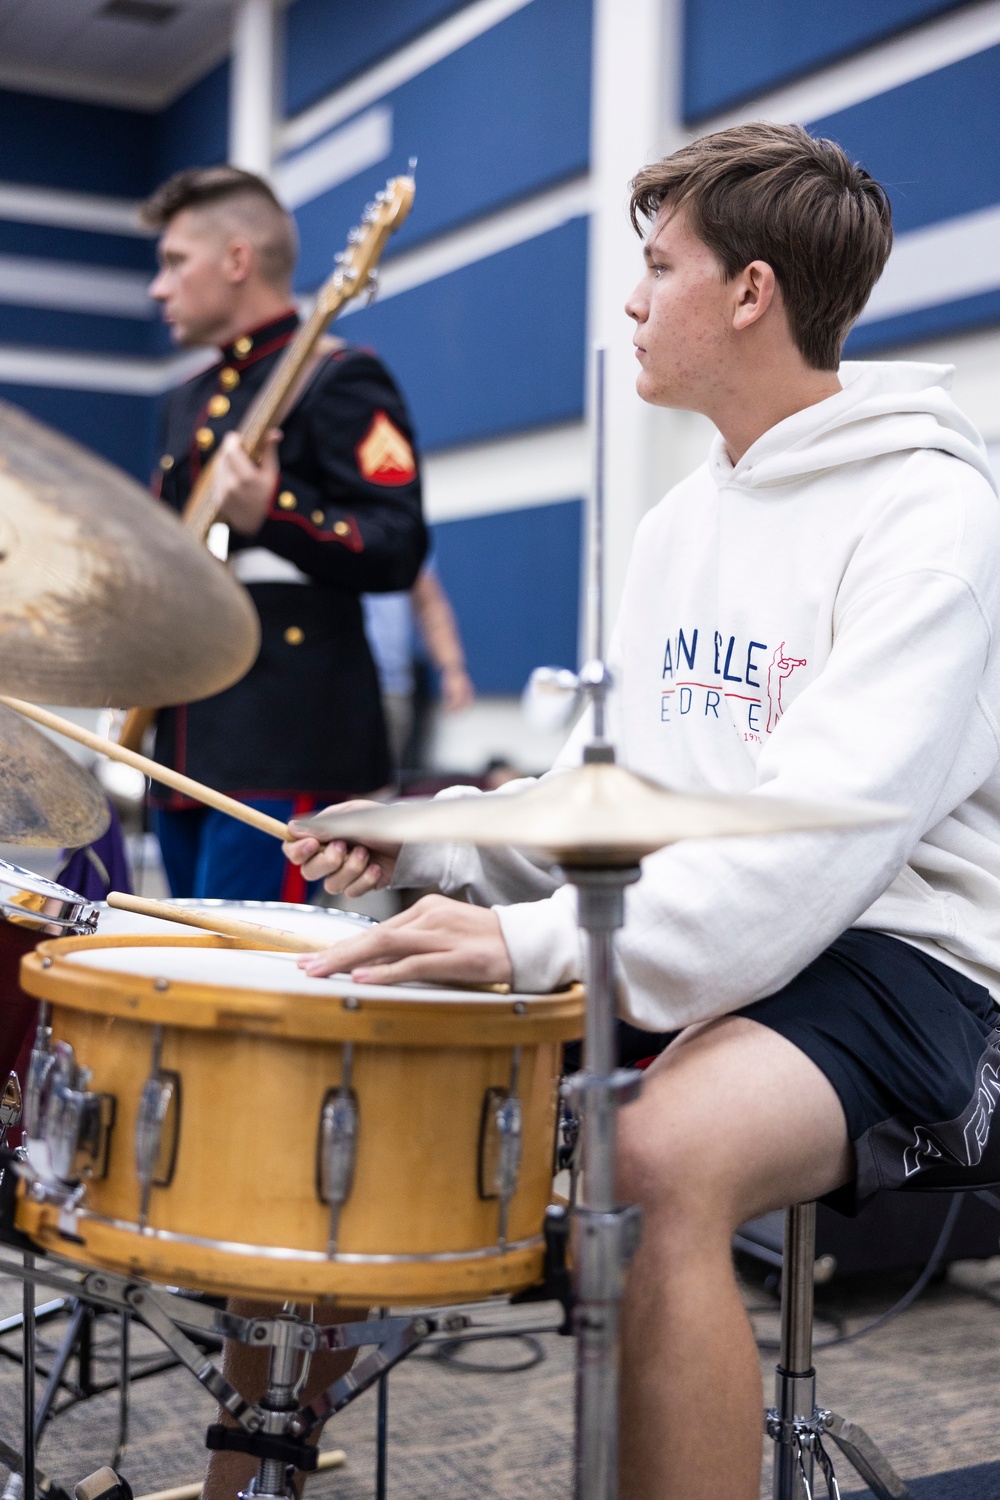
[237, 261]
[754, 290]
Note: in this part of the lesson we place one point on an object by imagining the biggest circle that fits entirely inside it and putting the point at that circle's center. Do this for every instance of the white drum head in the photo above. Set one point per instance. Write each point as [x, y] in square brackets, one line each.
[250, 969]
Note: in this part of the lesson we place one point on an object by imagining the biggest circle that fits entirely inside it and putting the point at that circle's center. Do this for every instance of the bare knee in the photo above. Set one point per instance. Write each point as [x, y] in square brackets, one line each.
[682, 1181]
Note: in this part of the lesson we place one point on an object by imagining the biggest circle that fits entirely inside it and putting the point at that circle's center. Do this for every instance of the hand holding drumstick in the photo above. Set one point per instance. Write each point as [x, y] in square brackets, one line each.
[438, 940]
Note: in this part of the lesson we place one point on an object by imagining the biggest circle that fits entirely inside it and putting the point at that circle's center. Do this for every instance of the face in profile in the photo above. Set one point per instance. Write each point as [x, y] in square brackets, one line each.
[683, 310]
[192, 286]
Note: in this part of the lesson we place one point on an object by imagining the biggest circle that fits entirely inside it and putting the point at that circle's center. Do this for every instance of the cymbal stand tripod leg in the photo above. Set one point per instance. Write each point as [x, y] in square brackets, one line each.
[605, 1233]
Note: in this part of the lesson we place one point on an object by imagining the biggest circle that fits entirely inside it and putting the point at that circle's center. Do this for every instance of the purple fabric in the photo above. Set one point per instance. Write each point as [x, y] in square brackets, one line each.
[99, 867]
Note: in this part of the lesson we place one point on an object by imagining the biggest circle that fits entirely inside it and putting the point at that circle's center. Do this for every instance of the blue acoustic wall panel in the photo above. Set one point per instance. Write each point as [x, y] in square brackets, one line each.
[490, 124]
[514, 582]
[121, 428]
[733, 51]
[934, 144]
[89, 148]
[325, 44]
[925, 323]
[496, 347]
[193, 131]
[57, 328]
[47, 242]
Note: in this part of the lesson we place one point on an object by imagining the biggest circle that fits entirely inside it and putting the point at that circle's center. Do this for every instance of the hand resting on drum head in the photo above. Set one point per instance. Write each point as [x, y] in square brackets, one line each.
[438, 940]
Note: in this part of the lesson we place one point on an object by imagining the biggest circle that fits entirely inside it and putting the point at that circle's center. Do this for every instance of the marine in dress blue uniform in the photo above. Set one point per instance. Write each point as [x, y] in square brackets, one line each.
[305, 725]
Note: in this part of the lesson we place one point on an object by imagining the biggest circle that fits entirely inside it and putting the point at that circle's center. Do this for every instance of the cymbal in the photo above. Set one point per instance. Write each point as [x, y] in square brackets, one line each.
[47, 799]
[105, 599]
[595, 814]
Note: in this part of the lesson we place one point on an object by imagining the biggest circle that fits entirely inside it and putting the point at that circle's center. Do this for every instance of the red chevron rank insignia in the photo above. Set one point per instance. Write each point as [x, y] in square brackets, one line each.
[384, 456]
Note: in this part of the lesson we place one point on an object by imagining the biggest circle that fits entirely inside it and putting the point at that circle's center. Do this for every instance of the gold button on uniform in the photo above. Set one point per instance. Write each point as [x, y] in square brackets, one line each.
[204, 437]
[166, 462]
[242, 347]
[341, 528]
[318, 517]
[218, 406]
[286, 500]
[229, 378]
[294, 635]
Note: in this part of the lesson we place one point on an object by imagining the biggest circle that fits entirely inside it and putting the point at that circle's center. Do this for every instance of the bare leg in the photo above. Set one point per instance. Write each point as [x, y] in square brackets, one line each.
[733, 1121]
[229, 1473]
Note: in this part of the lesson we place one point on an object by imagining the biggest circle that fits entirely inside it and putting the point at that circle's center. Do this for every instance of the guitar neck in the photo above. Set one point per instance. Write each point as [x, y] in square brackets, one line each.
[266, 410]
[273, 400]
[356, 271]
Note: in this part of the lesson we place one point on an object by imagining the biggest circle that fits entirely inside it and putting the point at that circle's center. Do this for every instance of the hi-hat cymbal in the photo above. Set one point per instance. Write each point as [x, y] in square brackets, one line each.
[597, 814]
[105, 599]
[47, 800]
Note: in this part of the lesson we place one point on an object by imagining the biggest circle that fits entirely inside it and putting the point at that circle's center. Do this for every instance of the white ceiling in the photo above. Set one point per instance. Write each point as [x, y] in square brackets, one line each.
[68, 48]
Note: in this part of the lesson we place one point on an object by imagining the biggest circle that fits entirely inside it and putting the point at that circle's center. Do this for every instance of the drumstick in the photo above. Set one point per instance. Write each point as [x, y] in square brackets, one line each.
[276, 937]
[171, 778]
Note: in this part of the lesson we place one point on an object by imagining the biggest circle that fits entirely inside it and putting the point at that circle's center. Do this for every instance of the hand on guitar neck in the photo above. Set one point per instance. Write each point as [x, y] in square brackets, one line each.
[244, 489]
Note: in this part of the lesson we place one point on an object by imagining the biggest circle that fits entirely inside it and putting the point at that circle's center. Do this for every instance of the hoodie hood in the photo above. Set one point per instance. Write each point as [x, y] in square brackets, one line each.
[891, 407]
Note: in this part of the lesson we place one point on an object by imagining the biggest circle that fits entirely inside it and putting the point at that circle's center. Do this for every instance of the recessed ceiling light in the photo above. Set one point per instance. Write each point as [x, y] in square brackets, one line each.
[146, 12]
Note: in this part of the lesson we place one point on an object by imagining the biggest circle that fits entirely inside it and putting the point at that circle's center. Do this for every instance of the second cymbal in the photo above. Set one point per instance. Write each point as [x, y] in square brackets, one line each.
[105, 599]
[596, 814]
[47, 800]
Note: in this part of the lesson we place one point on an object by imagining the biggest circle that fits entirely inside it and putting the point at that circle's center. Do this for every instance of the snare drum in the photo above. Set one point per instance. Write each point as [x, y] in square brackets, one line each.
[316, 921]
[415, 1160]
[31, 909]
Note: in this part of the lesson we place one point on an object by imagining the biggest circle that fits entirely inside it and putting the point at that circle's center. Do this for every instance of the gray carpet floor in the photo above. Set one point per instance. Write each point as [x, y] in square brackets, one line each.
[925, 1386]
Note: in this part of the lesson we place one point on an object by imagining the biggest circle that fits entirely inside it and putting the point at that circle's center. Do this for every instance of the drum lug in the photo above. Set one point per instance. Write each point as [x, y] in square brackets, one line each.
[39, 1066]
[73, 1132]
[157, 1130]
[337, 1146]
[500, 1143]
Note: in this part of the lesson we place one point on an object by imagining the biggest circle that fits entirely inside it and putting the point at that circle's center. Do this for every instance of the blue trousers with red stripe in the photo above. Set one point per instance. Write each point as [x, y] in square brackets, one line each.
[208, 854]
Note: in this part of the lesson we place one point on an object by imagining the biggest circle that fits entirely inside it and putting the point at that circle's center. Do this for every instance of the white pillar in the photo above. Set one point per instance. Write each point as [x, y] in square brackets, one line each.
[635, 119]
[251, 98]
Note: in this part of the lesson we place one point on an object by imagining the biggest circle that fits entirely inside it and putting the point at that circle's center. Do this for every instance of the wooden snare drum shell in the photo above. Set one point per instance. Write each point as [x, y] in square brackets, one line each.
[414, 1228]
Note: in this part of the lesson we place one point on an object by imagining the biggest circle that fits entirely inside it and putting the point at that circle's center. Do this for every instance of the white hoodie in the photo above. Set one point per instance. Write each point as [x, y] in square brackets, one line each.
[820, 620]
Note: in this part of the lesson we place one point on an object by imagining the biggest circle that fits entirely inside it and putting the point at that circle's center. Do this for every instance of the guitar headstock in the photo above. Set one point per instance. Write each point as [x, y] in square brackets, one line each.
[357, 262]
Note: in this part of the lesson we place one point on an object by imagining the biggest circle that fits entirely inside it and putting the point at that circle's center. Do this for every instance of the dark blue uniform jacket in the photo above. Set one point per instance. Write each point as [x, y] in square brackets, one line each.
[307, 717]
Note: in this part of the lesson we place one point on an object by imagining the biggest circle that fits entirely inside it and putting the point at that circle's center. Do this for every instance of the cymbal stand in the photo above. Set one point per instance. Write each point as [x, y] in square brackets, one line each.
[605, 1232]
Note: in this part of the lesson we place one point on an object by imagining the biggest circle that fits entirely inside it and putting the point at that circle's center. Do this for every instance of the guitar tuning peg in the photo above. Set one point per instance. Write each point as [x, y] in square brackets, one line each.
[354, 236]
[372, 286]
[339, 258]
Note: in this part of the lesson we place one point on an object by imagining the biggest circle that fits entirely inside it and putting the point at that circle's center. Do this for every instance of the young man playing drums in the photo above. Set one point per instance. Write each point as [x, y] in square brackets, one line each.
[813, 613]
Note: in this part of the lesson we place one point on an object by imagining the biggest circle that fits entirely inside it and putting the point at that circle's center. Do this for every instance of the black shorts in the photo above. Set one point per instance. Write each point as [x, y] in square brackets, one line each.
[912, 1049]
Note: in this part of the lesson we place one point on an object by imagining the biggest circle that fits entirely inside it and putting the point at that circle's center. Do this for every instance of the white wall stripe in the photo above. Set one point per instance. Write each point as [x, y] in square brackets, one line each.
[25, 281]
[943, 262]
[64, 210]
[398, 69]
[976, 388]
[335, 159]
[501, 231]
[532, 468]
[72, 287]
[885, 66]
[117, 375]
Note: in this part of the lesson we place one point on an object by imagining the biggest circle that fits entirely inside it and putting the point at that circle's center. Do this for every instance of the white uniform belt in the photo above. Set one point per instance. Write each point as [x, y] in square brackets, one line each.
[258, 565]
